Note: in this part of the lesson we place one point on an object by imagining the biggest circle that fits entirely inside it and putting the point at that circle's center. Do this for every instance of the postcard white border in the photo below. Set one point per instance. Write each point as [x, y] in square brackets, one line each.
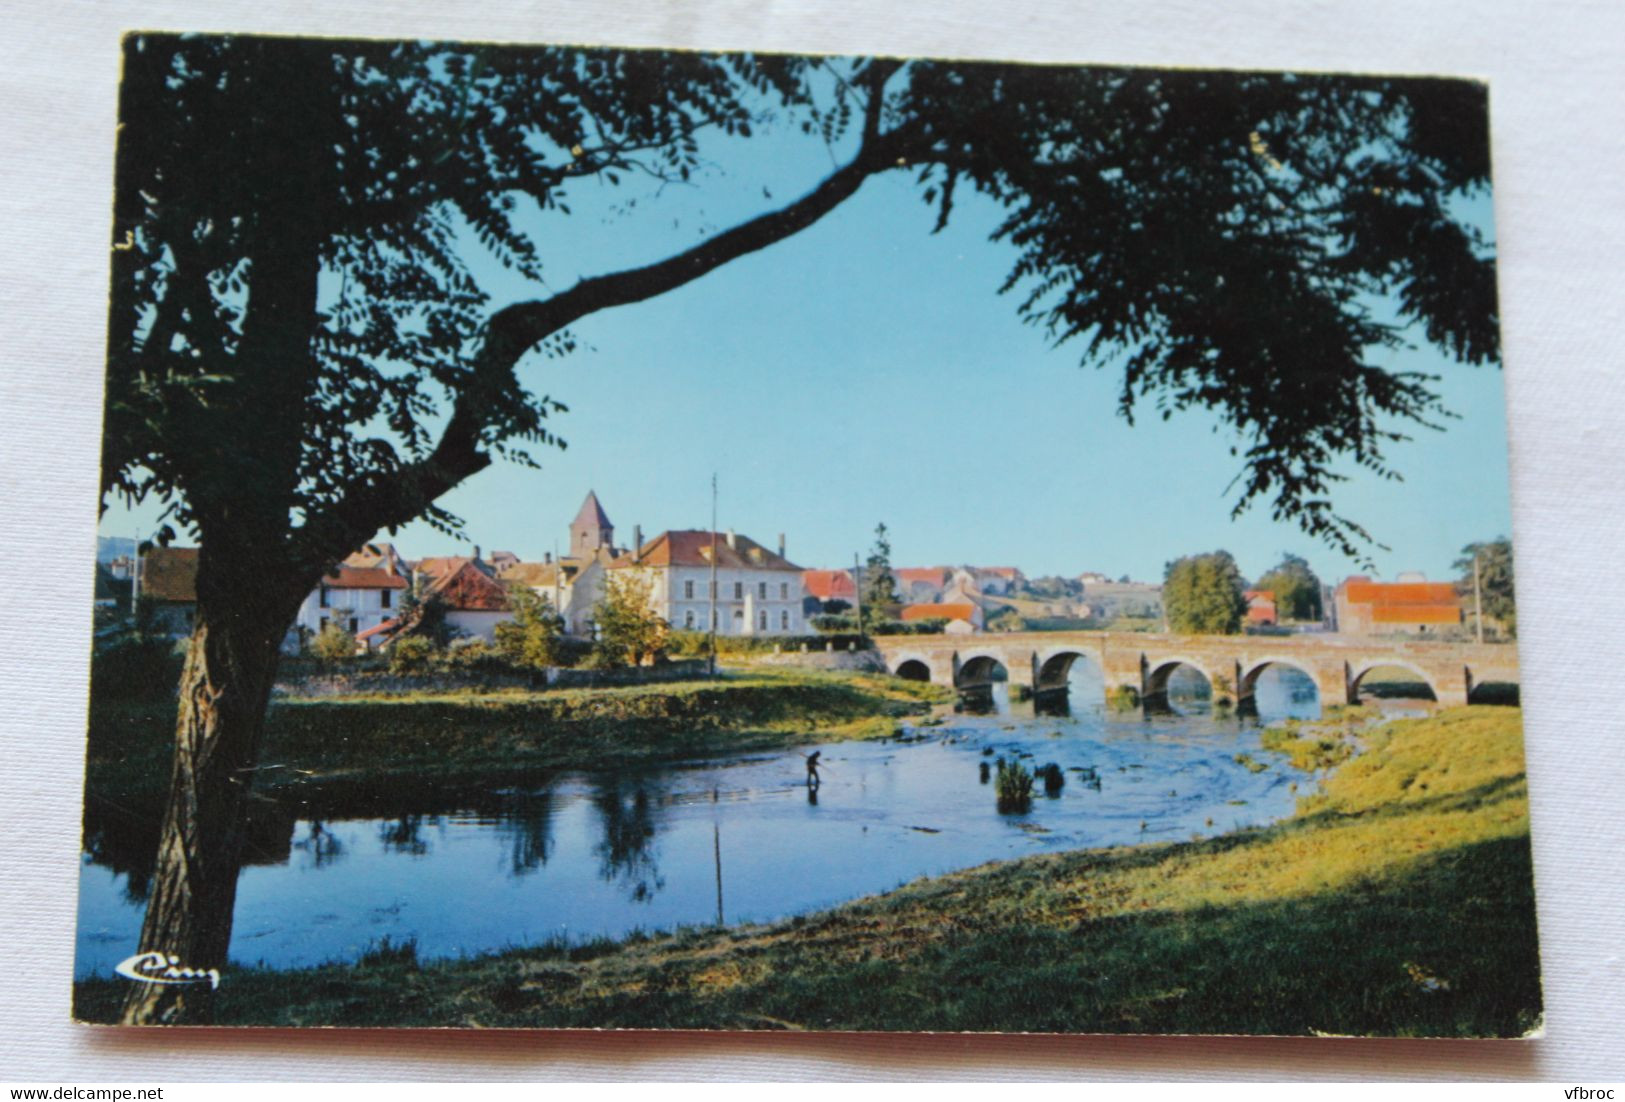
[1558, 103]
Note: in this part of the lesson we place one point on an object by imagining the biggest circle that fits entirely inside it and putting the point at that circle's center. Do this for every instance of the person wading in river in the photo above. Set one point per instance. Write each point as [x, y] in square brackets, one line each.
[812, 769]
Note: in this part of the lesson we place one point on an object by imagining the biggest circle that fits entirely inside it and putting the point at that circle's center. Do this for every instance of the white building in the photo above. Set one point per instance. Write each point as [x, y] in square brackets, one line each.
[758, 592]
[353, 597]
[467, 588]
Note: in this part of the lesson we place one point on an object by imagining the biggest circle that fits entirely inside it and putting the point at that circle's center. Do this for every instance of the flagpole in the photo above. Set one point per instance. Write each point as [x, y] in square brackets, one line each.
[713, 574]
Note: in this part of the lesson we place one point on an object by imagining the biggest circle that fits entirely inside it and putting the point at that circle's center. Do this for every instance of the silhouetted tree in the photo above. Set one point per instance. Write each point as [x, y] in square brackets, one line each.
[300, 354]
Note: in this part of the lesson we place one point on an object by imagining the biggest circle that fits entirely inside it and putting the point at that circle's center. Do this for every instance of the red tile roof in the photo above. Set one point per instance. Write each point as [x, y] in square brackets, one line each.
[170, 574]
[463, 585]
[938, 612]
[829, 585]
[385, 628]
[1363, 592]
[364, 577]
[692, 547]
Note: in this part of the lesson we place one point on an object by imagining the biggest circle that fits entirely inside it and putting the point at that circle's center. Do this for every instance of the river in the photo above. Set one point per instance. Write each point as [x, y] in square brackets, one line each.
[605, 854]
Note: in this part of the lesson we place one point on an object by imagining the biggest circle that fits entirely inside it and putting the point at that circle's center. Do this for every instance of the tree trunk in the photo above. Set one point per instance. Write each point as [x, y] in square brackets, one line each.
[231, 662]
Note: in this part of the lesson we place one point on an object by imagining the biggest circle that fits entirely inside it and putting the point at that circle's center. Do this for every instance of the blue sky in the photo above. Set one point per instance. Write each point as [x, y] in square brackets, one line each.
[865, 371]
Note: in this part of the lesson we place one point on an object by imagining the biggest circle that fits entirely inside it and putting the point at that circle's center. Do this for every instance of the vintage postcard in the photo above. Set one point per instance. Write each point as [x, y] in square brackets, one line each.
[626, 538]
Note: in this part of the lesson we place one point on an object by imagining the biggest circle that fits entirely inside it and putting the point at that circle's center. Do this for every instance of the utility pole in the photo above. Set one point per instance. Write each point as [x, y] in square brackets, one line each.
[135, 574]
[1478, 599]
[558, 586]
[857, 589]
[713, 574]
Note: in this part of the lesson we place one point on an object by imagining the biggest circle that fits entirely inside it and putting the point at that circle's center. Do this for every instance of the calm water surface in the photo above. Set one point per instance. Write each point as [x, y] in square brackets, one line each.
[603, 854]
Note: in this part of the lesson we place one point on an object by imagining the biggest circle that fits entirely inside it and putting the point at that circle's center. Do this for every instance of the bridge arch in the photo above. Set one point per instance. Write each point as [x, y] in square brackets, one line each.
[979, 669]
[1159, 670]
[1055, 666]
[1249, 678]
[1394, 662]
[912, 668]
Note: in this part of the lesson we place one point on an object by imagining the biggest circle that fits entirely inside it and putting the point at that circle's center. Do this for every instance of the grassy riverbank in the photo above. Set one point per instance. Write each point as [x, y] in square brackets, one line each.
[372, 740]
[1398, 901]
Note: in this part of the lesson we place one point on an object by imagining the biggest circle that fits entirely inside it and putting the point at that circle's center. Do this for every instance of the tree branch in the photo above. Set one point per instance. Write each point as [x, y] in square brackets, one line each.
[390, 499]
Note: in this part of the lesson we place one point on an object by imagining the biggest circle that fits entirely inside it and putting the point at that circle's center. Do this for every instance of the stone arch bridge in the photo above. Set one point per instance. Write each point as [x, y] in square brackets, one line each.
[1041, 661]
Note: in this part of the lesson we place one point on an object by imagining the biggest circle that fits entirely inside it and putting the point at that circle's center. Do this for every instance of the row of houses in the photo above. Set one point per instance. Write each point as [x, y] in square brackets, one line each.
[696, 580]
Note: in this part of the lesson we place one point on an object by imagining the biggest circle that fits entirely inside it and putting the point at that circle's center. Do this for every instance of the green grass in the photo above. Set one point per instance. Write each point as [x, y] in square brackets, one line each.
[374, 739]
[1399, 901]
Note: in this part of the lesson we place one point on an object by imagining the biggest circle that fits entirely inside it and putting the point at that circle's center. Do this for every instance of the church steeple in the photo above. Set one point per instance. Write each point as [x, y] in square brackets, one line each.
[591, 529]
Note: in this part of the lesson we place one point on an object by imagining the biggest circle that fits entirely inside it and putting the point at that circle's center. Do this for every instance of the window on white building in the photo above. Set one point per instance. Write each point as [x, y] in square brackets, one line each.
[383, 598]
[761, 620]
[784, 591]
[761, 590]
[688, 591]
[784, 620]
[323, 591]
[739, 591]
[688, 617]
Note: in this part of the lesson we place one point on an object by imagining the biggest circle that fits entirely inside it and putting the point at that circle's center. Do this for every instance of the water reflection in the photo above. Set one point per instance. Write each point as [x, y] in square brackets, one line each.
[322, 846]
[404, 835]
[627, 855]
[603, 854]
[527, 824]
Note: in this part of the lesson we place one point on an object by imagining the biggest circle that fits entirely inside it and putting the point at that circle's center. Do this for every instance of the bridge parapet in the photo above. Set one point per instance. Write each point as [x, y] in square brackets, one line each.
[1141, 661]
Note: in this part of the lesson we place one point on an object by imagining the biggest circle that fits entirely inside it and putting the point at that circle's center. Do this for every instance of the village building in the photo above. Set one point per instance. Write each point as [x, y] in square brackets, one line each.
[382, 555]
[574, 584]
[963, 617]
[758, 591]
[1414, 607]
[167, 580]
[356, 598]
[1261, 607]
[467, 588]
[999, 580]
[920, 584]
[825, 587]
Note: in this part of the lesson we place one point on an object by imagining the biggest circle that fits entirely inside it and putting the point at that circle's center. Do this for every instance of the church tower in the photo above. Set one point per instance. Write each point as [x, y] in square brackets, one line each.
[591, 529]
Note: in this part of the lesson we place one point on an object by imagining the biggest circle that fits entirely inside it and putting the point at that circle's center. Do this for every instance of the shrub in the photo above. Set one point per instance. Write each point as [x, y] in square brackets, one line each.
[1013, 787]
[332, 644]
[933, 626]
[410, 655]
[533, 637]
